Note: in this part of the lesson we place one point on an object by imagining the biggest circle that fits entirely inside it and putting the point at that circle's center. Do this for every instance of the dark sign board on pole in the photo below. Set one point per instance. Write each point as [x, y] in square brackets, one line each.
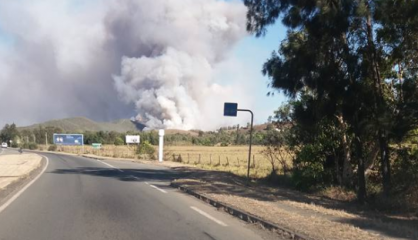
[230, 109]
[69, 139]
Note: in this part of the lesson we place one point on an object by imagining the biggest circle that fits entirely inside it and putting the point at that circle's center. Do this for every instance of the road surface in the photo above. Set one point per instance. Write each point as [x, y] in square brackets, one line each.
[81, 198]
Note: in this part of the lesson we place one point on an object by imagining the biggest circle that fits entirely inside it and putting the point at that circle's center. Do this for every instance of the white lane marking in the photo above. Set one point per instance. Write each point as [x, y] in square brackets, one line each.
[159, 189]
[147, 183]
[10, 201]
[209, 216]
[120, 170]
[132, 176]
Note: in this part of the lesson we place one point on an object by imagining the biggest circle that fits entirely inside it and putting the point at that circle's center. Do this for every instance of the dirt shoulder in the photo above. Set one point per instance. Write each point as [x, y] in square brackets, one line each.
[310, 215]
[15, 171]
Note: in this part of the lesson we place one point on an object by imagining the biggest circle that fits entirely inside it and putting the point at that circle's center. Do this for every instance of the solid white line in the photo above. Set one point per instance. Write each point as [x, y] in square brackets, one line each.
[209, 216]
[159, 189]
[120, 170]
[6, 204]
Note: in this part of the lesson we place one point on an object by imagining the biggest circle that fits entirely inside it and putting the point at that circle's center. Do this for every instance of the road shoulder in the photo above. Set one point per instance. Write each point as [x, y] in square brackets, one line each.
[14, 177]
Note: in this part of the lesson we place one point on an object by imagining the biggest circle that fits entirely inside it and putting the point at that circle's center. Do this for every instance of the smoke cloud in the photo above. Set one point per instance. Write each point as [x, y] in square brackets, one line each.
[155, 60]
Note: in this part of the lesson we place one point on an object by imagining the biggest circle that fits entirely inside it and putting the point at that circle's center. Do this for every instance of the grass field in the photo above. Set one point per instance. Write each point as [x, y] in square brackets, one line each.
[231, 158]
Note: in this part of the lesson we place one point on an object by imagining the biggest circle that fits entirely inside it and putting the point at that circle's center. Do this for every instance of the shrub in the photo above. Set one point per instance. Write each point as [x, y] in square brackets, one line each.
[309, 167]
[52, 147]
[146, 148]
[31, 146]
[119, 141]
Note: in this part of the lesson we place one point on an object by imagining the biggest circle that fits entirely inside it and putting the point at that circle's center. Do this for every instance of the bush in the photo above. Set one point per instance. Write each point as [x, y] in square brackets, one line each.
[146, 148]
[31, 146]
[52, 147]
[119, 141]
[309, 167]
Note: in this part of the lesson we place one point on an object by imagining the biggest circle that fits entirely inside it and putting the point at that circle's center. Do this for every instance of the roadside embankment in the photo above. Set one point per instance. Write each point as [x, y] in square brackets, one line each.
[15, 170]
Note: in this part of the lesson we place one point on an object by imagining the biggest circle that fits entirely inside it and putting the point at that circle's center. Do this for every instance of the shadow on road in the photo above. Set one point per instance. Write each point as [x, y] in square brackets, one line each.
[125, 174]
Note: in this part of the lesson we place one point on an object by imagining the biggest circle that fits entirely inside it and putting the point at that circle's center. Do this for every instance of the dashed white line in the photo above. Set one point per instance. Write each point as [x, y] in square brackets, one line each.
[10, 201]
[120, 170]
[209, 216]
[159, 189]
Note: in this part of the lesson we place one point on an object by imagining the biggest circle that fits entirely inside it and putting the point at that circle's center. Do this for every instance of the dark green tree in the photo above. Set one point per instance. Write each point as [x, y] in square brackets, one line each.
[336, 63]
[9, 133]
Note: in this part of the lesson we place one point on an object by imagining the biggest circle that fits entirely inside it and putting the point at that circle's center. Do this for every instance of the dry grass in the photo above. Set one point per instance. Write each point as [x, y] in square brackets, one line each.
[232, 158]
[318, 220]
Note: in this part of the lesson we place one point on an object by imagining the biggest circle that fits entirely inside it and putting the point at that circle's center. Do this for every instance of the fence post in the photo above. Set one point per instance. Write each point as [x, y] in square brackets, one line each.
[210, 159]
[253, 161]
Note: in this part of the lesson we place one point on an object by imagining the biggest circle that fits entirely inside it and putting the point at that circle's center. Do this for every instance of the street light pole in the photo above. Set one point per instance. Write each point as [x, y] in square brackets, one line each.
[251, 139]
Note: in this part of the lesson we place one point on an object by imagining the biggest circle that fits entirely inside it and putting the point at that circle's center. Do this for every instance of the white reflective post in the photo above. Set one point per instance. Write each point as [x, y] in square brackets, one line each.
[160, 145]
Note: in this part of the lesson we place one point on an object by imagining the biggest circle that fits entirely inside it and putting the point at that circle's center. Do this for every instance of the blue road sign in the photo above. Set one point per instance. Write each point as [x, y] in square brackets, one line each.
[68, 139]
[230, 109]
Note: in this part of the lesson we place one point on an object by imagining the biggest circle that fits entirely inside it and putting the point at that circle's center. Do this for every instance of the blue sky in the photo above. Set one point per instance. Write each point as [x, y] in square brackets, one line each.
[253, 52]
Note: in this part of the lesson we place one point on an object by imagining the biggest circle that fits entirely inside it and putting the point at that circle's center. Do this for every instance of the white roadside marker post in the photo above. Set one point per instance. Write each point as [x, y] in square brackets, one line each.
[160, 145]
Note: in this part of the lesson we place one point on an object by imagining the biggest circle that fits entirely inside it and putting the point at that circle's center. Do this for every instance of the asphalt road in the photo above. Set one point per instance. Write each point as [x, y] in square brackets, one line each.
[81, 198]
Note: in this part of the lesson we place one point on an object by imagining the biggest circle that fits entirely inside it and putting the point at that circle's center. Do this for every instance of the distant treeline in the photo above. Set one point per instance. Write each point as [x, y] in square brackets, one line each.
[223, 136]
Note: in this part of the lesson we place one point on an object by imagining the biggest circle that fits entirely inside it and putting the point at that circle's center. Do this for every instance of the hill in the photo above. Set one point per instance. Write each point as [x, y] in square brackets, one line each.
[81, 124]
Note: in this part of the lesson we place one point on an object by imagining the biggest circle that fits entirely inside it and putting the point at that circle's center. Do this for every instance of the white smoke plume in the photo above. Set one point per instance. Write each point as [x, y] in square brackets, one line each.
[109, 59]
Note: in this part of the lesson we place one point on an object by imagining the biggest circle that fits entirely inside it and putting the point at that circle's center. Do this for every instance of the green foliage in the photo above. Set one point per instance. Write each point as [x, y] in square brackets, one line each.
[146, 148]
[349, 68]
[52, 148]
[119, 141]
[9, 133]
[309, 167]
[31, 146]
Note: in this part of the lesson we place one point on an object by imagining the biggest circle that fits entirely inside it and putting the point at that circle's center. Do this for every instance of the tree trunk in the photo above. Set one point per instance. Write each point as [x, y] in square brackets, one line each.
[379, 104]
[385, 163]
[361, 192]
[347, 172]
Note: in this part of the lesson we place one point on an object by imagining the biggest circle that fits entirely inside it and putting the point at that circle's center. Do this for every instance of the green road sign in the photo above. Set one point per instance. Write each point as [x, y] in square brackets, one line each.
[96, 145]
